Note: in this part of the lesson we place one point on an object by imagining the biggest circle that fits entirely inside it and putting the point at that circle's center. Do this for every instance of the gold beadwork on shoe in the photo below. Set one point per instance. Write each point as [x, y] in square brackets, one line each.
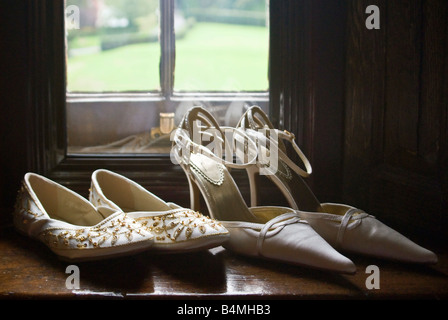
[23, 206]
[94, 237]
[171, 226]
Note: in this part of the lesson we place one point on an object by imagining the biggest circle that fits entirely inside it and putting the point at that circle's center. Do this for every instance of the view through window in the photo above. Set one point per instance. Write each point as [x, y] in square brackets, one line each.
[135, 66]
[116, 47]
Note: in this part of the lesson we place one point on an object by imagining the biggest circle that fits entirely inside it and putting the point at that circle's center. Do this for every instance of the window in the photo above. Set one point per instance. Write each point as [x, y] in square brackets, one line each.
[303, 98]
[134, 67]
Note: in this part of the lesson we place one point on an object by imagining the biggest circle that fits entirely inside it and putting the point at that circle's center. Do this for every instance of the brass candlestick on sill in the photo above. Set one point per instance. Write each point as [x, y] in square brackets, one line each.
[166, 125]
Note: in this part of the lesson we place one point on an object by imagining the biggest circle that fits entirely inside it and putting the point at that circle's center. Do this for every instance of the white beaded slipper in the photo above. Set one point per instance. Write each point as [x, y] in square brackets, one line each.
[71, 226]
[175, 229]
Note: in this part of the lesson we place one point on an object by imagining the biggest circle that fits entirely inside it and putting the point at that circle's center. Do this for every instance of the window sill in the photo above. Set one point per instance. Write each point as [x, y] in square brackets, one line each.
[28, 270]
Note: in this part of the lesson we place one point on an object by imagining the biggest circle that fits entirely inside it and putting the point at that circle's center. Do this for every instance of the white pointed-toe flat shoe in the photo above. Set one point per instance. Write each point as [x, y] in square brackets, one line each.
[275, 233]
[344, 227]
[71, 226]
[352, 230]
[281, 235]
[175, 229]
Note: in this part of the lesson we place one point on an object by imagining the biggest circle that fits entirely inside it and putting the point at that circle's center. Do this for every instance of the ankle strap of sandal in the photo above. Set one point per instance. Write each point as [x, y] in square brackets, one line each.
[256, 124]
[261, 136]
[225, 142]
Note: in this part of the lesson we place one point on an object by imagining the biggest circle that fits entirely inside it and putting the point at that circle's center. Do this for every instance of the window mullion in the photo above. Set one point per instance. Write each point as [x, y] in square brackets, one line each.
[167, 44]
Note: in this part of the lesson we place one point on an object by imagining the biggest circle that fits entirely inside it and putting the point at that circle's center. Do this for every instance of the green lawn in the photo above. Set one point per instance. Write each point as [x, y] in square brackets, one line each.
[210, 57]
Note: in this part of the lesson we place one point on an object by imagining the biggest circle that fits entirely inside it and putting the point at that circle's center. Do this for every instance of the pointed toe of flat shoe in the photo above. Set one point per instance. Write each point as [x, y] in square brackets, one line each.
[295, 243]
[361, 233]
[372, 237]
[427, 257]
[336, 262]
[313, 251]
[395, 246]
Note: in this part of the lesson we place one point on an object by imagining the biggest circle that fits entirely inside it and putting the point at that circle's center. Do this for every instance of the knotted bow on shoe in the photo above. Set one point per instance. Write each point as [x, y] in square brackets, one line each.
[274, 226]
[286, 237]
[269, 229]
[345, 222]
[353, 230]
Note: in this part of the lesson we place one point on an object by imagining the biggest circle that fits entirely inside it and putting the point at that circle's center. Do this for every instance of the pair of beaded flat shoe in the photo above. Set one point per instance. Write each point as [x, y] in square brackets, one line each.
[121, 219]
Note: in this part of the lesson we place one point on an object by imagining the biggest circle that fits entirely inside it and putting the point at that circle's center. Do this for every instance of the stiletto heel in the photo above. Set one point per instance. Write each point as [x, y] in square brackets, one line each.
[253, 175]
[344, 227]
[195, 195]
[287, 176]
[271, 232]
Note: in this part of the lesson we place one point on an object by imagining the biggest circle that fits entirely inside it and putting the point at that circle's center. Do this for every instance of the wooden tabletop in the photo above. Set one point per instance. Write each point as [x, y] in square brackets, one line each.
[29, 270]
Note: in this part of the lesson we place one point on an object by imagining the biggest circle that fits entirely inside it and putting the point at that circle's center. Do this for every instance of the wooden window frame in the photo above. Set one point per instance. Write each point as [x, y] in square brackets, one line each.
[298, 99]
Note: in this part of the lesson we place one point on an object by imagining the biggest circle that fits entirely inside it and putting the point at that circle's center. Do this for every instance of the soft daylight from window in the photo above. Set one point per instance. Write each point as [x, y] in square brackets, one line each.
[116, 47]
[220, 45]
[134, 67]
[223, 45]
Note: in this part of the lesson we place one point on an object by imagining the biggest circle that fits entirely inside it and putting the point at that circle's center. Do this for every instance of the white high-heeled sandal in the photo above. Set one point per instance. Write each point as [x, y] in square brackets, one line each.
[71, 226]
[276, 233]
[344, 227]
[175, 229]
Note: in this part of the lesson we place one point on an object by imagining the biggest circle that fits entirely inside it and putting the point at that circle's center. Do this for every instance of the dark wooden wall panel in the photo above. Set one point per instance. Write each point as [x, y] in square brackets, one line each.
[307, 84]
[365, 91]
[433, 93]
[403, 57]
[396, 101]
[13, 100]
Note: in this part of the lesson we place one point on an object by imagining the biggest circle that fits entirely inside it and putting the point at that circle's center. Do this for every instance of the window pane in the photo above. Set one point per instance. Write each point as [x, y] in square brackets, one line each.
[103, 57]
[221, 45]
[113, 45]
